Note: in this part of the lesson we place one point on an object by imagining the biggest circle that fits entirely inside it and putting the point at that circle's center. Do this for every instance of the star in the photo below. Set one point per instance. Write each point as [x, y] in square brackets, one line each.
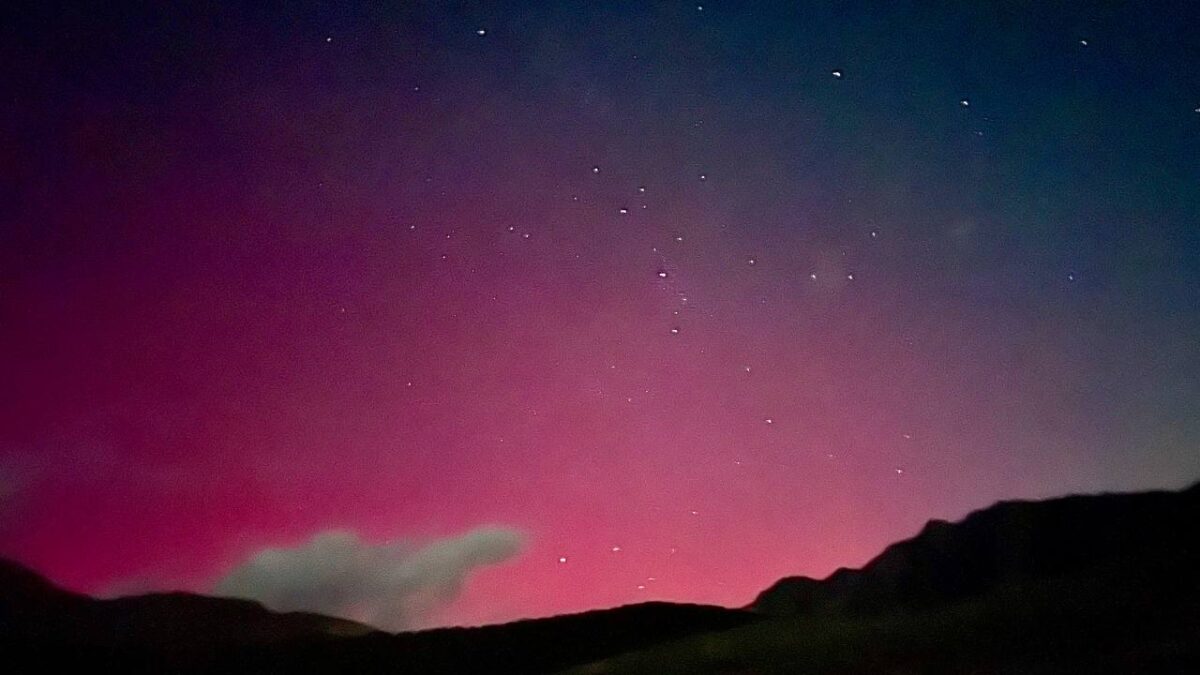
[836, 73]
[481, 32]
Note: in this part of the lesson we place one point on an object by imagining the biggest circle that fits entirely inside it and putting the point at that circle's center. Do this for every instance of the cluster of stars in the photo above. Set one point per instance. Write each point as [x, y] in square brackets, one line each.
[663, 274]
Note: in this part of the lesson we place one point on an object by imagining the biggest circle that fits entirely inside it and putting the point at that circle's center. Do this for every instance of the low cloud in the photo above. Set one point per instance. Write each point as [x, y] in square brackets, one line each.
[392, 586]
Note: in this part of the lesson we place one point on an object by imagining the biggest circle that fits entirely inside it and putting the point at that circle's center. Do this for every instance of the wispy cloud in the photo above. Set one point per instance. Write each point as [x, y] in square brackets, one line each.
[392, 586]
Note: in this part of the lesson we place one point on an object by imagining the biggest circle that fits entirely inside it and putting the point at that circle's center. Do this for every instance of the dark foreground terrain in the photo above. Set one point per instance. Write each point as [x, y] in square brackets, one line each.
[1085, 584]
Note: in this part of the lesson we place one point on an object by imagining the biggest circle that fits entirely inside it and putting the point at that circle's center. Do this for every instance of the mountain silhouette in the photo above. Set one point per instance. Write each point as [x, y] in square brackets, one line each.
[182, 632]
[35, 612]
[1136, 537]
[1102, 583]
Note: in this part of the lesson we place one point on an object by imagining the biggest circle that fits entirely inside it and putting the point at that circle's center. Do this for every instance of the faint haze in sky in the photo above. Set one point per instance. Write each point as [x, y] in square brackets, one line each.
[693, 299]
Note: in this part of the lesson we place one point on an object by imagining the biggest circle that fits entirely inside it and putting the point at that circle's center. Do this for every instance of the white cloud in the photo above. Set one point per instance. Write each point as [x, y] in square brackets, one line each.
[392, 586]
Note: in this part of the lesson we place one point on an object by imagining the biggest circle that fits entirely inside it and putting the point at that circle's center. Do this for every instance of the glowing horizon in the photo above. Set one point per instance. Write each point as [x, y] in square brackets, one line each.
[653, 287]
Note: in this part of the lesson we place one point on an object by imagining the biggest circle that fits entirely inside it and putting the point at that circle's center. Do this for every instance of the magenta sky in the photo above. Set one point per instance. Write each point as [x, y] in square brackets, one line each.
[265, 276]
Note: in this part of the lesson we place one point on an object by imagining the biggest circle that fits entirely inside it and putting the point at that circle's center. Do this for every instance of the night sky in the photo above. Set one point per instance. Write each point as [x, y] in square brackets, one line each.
[673, 299]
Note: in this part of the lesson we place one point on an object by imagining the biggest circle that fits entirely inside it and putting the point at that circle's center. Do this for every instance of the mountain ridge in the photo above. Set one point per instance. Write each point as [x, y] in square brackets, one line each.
[1011, 541]
[1058, 564]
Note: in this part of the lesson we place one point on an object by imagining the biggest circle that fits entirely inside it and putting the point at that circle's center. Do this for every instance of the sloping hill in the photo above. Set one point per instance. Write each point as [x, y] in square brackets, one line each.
[180, 632]
[35, 612]
[1006, 545]
[1084, 584]
[1105, 583]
